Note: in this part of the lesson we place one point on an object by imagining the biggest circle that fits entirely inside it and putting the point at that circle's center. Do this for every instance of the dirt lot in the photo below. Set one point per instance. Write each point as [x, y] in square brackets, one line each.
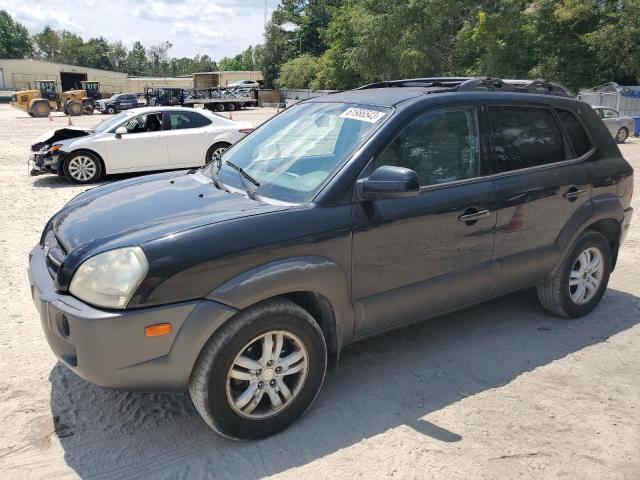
[500, 391]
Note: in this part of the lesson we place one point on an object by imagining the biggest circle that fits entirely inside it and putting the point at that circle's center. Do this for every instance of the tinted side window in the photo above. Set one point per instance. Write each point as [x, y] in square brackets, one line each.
[525, 137]
[440, 145]
[181, 120]
[577, 136]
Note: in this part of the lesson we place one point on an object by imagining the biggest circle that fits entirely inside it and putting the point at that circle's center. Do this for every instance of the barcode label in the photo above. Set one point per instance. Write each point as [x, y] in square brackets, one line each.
[363, 114]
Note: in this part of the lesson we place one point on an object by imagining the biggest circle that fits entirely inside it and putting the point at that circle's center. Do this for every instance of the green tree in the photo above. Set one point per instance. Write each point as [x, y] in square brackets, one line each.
[48, 44]
[14, 38]
[95, 53]
[158, 58]
[118, 56]
[136, 62]
[299, 72]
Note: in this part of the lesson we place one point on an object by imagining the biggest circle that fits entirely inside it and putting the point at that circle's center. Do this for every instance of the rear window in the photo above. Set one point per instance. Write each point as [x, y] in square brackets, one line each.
[576, 133]
[525, 137]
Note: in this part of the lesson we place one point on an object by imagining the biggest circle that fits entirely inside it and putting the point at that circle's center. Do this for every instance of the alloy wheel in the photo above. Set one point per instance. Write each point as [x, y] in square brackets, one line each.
[621, 136]
[82, 168]
[267, 375]
[586, 275]
[217, 153]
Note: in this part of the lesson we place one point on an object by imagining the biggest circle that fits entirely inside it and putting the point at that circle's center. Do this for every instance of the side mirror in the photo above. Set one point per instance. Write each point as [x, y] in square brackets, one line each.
[389, 182]
[120, 131]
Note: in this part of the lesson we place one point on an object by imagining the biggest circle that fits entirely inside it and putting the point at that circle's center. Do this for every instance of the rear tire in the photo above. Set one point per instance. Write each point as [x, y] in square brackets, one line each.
[231, 107]
[216, 150]
[237, 385]
[82, 168]
[622, 135]
[87, 107]
[220, 107]
[579, 271]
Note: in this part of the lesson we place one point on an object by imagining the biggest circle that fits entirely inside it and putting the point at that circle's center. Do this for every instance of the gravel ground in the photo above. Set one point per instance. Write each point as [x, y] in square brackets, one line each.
[502, 390]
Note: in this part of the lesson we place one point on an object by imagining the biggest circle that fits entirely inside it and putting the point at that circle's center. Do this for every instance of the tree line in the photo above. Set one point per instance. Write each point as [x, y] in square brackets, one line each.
[345, 43]
[66, 47]
[338, 44]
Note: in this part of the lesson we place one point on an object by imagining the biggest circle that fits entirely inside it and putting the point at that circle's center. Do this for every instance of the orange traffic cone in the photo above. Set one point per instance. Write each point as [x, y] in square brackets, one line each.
[50, 117]
[69, 122]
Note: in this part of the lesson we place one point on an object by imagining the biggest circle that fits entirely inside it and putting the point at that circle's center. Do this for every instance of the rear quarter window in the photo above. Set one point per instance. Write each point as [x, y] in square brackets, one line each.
[575, 131]
[525, 137]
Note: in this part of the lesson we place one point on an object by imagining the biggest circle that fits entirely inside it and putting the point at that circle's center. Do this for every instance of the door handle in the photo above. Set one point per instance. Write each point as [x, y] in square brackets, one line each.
[573, 193]
[468, 218]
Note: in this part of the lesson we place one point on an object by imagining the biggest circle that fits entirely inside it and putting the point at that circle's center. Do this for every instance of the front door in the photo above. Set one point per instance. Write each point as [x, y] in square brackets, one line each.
[541, 183]
[143, 147]
[421, 255]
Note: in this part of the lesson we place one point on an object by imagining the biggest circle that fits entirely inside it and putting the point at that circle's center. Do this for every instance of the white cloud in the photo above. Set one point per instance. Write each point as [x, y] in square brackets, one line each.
[217, 28]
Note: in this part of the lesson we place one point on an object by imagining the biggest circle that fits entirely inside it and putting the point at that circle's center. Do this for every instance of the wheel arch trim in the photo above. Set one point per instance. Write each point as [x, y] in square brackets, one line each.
[318, 278]
[593, 215]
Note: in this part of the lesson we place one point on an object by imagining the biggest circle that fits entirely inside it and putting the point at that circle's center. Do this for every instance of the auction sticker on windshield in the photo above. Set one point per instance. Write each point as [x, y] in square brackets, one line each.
[363, 114]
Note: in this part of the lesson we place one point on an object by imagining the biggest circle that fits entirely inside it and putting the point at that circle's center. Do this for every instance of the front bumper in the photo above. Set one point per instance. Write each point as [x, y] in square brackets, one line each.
[109, 348]
[47, 162]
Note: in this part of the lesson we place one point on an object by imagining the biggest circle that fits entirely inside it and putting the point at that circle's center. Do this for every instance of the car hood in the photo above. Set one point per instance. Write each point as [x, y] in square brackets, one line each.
[59, 134]
[140, 209]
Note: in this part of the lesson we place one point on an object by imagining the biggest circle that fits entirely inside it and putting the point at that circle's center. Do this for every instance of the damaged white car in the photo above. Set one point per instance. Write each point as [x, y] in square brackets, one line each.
[136, 140]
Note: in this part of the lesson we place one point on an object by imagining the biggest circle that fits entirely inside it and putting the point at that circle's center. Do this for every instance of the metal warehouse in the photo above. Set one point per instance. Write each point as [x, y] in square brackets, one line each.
[19, 74]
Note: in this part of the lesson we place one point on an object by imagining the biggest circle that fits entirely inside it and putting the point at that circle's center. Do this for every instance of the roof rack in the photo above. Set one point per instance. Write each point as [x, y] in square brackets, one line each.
[418, 82]
[477, 84]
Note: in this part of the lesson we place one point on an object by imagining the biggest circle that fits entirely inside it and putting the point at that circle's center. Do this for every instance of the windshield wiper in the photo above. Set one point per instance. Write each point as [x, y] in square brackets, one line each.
[245, 178]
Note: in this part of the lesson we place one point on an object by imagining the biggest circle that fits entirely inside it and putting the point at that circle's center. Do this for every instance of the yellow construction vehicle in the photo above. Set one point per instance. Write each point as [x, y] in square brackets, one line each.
[87, 96]
[44, 98]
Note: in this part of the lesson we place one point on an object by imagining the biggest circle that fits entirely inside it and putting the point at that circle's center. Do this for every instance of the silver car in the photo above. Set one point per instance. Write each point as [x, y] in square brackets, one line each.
[620, 127]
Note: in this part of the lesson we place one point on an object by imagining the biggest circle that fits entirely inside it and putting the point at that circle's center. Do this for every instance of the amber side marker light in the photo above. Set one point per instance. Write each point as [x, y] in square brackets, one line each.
[158, 330]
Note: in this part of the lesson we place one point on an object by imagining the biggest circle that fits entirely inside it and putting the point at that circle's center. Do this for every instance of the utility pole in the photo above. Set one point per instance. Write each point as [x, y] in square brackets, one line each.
[265, 17]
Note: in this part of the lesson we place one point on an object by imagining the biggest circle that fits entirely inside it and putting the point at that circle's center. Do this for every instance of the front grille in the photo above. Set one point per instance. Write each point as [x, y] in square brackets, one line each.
[55, 253]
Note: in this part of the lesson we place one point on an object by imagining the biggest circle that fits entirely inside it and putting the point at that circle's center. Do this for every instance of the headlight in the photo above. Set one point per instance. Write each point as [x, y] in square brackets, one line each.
[110, 278]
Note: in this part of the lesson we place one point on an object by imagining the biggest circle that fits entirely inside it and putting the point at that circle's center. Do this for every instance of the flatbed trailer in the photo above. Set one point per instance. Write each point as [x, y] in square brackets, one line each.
[221, 104]
[215, 99]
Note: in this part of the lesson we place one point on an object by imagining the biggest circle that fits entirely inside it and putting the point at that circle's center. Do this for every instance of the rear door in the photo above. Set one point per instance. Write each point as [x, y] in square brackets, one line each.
[187, 137]
[417, 256]
[541, 183]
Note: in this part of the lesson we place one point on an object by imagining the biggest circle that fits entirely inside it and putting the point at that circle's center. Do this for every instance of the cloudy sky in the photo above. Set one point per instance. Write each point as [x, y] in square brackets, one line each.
[215, 27]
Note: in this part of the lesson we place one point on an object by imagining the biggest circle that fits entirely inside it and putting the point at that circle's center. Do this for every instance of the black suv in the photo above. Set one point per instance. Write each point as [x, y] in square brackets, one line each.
[342, 217]
[118, 102]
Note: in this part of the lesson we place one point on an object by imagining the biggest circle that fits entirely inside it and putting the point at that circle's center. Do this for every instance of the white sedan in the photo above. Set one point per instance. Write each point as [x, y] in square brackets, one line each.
[137, 140]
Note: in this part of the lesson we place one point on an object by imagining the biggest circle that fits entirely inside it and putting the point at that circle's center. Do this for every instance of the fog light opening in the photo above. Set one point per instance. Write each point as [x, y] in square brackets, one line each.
[63, 326]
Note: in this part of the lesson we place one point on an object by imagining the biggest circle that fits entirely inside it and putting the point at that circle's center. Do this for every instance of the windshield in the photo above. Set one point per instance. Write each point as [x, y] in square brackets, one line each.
[110, 123]
[291, 155]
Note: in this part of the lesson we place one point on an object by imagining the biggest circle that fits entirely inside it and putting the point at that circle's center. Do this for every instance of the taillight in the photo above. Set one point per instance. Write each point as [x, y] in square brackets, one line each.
[246, 131]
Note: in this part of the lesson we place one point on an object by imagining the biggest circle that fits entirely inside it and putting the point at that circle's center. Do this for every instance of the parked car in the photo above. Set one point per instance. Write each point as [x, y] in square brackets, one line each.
[340, 218]
[245, 84]
[619, 126]
[137, 140]
[118, 102]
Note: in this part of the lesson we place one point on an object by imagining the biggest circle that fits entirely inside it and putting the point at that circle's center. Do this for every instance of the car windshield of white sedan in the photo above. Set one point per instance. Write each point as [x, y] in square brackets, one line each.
[292, 155]
[111, 122]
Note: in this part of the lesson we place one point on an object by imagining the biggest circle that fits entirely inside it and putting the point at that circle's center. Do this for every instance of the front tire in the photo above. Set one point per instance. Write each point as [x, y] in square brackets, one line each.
[622, 135]
[579, 282]
[111, 110]
[260, 371]
[74, 108]
[82, 168]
